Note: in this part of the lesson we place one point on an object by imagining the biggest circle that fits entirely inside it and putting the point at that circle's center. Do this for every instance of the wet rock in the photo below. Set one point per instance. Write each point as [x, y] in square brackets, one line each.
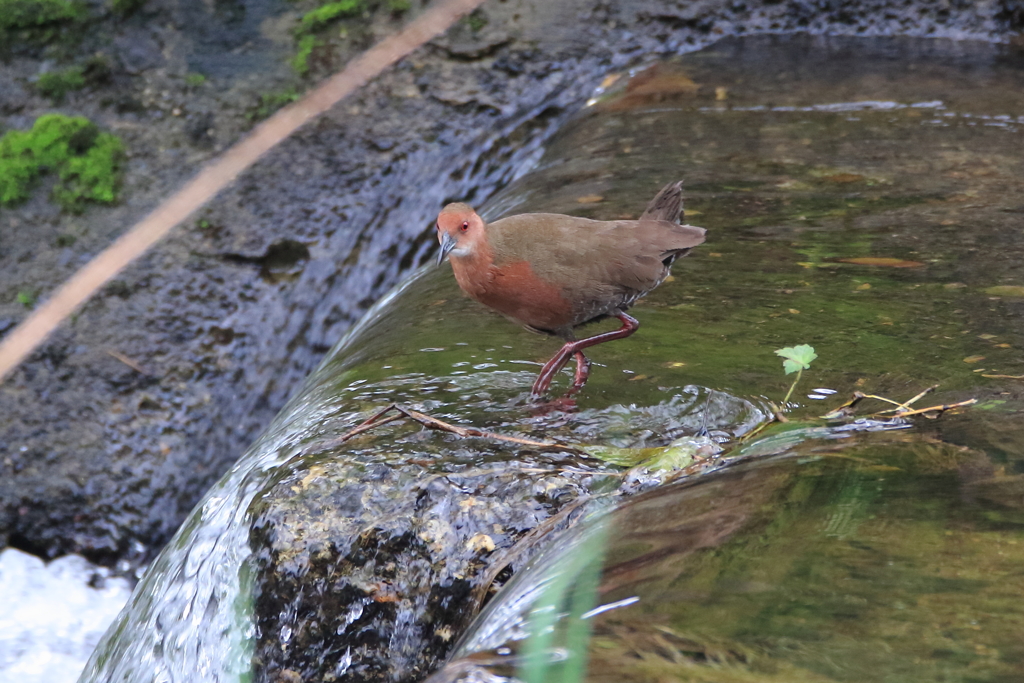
[138, 52]
[282, 260]
[366, 570]
[200, 130]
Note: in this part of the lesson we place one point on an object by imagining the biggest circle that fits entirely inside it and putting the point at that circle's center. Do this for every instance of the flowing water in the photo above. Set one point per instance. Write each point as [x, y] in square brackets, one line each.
[861, 196]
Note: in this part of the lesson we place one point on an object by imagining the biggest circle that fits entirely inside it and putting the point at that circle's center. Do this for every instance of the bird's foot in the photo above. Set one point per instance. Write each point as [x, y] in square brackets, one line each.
[582, 373]
[551, 368]
[564, 404]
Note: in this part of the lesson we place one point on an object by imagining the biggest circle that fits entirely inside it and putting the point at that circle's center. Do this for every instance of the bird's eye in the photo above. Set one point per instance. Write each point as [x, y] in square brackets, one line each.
[465, 226]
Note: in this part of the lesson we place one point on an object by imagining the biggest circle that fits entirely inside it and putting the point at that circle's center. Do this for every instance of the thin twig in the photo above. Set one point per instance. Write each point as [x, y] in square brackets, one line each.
[479, 472]
[883, 399]
[366, 425]
[127, 361]
[937, 409]
[1004, 376]
[378, 419]
[434, 423]
[903, 408]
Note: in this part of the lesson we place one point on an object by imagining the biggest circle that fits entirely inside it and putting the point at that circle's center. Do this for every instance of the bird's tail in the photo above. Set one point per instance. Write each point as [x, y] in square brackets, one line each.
[667, 205]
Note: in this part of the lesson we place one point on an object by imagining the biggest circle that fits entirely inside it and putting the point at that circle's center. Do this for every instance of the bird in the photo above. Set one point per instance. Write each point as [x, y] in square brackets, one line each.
[552, 273]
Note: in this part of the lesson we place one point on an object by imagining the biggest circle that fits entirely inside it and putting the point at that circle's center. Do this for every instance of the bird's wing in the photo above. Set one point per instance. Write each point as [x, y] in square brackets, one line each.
[608, 260]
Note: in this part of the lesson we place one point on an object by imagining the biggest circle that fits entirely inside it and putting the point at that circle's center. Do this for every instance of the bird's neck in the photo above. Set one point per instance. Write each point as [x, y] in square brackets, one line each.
[474, 270]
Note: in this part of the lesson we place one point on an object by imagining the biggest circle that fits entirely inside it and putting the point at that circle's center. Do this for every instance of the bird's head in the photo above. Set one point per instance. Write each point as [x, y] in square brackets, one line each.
[459, 230]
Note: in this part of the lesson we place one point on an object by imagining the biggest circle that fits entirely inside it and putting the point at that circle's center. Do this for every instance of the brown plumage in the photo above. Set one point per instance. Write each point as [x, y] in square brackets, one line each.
[552, 273]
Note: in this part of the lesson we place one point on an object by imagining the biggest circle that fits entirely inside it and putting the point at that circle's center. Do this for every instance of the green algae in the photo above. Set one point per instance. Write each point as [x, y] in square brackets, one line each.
[126, 8]
[314, 22]
[304, 50]
[87, 161]
[57, 84]
[41, 22]
[270, 102]
[32, 14]
[316, 19]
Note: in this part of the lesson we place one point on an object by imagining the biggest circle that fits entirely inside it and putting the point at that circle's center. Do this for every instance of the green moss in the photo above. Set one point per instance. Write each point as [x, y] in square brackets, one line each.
[125, 8]
[29, 14]
[86, 161]
[271, 102]
[399, 6]
[315, 20]
[194, 80]
[476, 20]
[25, 298]
[57, 84]
[300, 62]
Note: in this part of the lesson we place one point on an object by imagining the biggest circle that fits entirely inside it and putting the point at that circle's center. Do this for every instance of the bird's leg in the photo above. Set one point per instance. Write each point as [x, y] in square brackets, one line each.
[547, 373]
[582, 371]
[570, 349]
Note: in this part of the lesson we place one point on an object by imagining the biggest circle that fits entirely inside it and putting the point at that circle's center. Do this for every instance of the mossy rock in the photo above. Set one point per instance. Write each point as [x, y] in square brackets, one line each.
[39, 22]
[29, 14]
[86, 160]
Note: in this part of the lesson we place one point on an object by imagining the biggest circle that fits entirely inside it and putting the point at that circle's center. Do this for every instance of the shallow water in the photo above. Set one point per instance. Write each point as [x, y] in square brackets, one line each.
[798, 153]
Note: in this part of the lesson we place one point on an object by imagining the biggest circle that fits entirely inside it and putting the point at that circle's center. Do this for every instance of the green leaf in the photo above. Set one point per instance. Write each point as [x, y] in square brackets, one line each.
[796, 357]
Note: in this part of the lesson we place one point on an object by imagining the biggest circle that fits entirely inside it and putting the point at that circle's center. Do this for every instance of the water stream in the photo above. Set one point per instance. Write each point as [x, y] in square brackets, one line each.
[861, 196]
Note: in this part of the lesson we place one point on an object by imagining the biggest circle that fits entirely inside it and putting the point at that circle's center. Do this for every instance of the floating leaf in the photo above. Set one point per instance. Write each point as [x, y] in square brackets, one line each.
[883, 261]
[974, 359]
[796, 357]
[589, 199]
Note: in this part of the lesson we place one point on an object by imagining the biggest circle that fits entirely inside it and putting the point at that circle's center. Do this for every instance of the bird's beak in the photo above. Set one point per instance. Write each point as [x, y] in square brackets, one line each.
[447, 244]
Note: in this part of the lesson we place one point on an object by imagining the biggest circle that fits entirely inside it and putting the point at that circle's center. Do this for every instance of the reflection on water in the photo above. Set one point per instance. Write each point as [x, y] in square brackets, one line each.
[862, 197]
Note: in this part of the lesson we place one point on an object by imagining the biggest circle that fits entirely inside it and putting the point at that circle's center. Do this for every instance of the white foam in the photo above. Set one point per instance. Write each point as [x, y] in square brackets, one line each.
[51, 618]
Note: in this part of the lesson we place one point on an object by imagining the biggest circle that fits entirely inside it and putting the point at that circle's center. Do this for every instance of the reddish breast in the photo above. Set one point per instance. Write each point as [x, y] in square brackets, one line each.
[515, 290]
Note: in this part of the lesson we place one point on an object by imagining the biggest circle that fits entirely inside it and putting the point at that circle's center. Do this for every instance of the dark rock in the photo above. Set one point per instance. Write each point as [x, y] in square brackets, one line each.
[344, 559]
[199, 129]
[138, 51]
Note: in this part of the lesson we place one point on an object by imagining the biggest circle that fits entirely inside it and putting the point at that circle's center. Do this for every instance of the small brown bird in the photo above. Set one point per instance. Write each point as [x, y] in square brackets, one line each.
[552, 273]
